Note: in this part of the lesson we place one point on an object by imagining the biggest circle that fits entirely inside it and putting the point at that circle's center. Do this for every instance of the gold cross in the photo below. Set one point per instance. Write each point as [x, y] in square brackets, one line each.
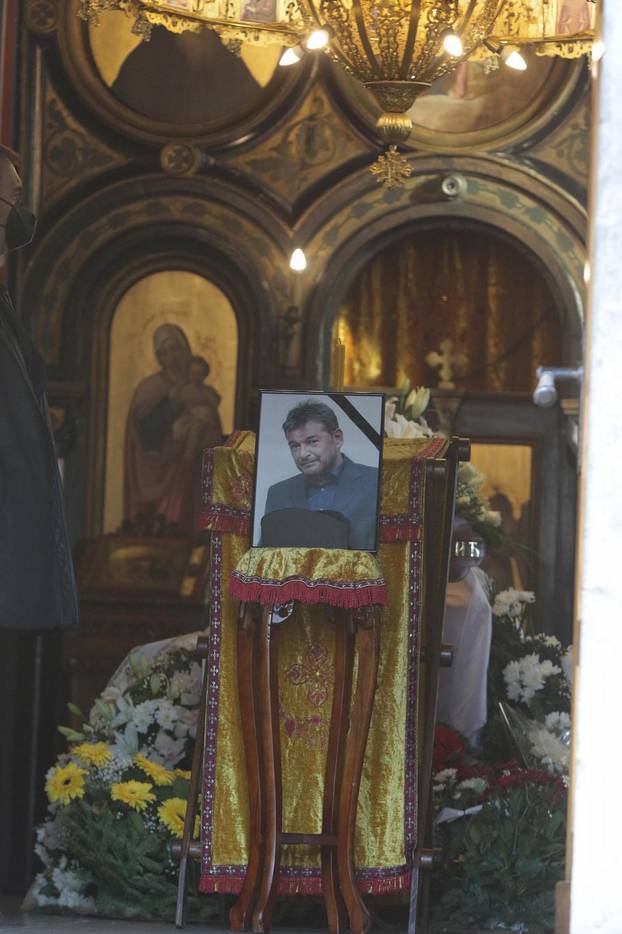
[447, 361]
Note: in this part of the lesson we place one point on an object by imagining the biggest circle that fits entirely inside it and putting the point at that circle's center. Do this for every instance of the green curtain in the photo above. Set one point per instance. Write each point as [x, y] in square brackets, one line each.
[481, 292]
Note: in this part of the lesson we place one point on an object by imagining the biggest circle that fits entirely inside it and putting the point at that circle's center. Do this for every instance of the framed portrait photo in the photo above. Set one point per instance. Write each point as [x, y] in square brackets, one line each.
[317, 480]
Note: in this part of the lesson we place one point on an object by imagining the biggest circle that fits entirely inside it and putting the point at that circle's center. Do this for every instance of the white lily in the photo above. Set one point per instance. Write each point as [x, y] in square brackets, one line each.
[417, 400]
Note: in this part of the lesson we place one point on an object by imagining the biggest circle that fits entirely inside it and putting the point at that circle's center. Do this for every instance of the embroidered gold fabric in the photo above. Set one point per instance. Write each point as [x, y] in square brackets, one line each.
[386, 819]
[312, 564]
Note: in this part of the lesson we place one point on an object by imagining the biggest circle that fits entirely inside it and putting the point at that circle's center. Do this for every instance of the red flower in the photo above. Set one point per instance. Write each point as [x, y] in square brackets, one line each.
[449, 748]
[521, 778]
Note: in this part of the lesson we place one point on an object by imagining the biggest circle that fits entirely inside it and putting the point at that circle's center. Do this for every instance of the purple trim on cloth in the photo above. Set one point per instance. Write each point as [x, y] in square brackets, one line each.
[417, 493]
[410, 765]
[207, 477]
[229, 878]
[213, 692]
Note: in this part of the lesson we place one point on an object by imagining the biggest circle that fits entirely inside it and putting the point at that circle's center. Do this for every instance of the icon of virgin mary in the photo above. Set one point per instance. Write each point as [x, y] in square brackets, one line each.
[161, 476]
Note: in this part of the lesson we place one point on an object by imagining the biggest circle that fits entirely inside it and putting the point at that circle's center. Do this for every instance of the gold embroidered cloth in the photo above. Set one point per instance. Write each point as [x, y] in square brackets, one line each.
[336, 576]
[386, 828]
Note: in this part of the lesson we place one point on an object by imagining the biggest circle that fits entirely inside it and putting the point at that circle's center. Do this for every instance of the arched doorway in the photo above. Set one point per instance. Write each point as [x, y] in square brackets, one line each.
[464, 282]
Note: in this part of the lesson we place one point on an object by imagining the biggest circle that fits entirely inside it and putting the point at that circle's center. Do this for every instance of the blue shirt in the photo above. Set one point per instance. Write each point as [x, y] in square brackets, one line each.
[321, 496]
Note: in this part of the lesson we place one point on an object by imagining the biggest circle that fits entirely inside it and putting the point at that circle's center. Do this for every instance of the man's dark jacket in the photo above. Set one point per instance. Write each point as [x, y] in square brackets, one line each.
[37, 587]
[356, 497]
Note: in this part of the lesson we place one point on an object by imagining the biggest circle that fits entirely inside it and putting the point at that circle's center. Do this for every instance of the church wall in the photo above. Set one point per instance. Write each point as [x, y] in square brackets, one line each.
[226, 194]
[125, 190]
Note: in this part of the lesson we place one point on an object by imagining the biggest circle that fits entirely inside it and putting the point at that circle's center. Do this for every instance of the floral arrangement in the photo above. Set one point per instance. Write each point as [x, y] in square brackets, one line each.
[117, 799]
[501, 863]
[471, 506]
[501, 825]
[529, 685]
[403, 418]
[403, 414]
[149, 707]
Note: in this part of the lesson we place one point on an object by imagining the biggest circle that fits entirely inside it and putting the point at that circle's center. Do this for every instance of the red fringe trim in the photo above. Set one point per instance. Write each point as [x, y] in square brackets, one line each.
[382, 886]
[221, 522]
[304, 885]
[272, 593]
[221, 883]
[399, 532]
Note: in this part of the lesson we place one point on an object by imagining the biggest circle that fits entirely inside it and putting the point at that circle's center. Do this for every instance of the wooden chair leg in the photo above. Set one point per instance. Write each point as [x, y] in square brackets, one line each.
[195, 777]
[342, 692]
[367, 645]
[268, 709]
[241, 913]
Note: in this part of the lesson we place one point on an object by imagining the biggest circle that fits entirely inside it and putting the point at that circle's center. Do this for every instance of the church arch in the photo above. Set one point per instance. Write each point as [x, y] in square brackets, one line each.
[541, 220]
[457, 279]
[88, 260]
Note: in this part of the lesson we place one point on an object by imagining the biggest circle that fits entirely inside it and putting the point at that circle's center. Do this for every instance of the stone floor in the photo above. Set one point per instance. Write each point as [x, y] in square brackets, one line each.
[12, 919]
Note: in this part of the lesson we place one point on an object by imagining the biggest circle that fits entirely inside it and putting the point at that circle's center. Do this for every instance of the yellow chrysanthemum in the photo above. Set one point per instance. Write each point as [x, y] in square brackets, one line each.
[136, 794]
[172, 814]
[157, 773]
[65, 783]
[183, 773]
[94, 753]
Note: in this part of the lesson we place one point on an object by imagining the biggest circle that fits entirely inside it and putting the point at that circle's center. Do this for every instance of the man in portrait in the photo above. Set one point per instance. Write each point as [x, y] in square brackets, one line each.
[327, 480]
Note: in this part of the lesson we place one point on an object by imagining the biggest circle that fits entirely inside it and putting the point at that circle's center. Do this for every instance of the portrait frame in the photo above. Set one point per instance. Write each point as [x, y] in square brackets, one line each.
[290, 481]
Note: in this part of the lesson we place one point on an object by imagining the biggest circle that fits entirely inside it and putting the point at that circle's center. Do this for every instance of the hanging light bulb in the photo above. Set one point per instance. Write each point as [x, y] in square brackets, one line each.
[587, 272]
[598, 50]
[452, 44]
[318, 39]
[291, 56]
[298, 260]
[512, 57]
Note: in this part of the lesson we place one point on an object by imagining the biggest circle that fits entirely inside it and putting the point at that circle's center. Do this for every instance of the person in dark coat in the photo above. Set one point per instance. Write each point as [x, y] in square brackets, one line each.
[328, 480]
[37, 586]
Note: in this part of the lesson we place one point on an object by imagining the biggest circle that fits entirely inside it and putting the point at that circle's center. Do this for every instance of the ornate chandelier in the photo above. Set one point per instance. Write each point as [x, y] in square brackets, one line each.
[395, 48]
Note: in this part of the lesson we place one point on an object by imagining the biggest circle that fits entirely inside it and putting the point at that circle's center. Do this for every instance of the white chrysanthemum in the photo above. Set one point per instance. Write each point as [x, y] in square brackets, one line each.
[512, 602]
[41, 899]
[167, 751]
[567, 663]
[532, 672]
[549, 749]
[548, 668]
[557, 722]
[552, 641]
[52, 834]
[478, 785]
[492, 517]
[166, 715]
[514, 691]
[512, 672]
[445, 775]
[525, 677]
[470, 476]
[144, 714]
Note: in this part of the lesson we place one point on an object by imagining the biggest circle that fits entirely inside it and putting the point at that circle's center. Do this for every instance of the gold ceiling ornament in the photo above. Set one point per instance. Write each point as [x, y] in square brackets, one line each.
[395, 48]
[392, 168]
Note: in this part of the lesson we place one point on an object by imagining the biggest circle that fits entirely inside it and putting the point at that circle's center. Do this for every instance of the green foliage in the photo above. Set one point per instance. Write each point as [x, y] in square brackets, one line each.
[130, 862]
[500, 866]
